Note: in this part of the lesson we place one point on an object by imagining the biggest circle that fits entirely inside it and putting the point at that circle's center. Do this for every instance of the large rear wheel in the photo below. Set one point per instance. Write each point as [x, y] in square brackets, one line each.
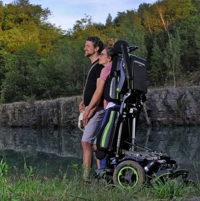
[128, 174]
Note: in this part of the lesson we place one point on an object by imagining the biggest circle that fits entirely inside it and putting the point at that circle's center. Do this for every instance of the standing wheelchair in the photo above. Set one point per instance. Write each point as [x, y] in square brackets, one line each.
[128, 164]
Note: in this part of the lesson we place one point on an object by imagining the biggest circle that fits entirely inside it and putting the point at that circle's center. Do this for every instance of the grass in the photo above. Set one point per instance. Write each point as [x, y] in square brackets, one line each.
[31, 187]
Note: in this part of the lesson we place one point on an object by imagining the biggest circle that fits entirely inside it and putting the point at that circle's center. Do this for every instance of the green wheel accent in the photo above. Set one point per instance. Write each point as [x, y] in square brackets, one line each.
[128, 174]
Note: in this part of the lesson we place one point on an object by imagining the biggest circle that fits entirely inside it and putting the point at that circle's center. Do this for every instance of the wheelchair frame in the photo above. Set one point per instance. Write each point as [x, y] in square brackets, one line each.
[129, 165]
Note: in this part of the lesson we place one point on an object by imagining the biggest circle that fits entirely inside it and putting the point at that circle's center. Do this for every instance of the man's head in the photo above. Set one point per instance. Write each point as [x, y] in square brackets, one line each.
[93, 46]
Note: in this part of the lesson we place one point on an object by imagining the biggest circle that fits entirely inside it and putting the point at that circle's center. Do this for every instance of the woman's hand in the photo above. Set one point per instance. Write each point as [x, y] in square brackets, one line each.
[85, 117]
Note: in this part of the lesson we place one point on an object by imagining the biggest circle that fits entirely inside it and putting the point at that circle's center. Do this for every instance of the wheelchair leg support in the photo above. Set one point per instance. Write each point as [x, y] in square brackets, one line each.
[133, 132]
[119, 138]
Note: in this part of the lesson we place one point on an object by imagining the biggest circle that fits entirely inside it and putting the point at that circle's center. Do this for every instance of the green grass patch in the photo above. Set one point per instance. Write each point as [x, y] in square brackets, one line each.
[31, 187]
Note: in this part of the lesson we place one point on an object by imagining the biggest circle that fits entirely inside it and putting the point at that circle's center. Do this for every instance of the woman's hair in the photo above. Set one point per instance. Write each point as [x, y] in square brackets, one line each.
[110, 52]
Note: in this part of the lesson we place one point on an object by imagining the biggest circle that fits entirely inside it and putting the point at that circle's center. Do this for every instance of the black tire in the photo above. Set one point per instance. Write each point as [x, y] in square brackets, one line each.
[128, 174]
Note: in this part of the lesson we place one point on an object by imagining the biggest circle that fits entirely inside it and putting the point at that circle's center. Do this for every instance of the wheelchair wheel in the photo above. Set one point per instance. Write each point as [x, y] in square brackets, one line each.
[128, 174]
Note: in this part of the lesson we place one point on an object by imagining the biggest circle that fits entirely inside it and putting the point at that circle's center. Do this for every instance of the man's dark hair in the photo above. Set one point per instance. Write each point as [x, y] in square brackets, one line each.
[97, 42]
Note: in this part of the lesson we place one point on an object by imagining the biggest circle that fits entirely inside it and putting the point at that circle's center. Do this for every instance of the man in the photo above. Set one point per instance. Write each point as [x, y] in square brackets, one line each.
[93, 47]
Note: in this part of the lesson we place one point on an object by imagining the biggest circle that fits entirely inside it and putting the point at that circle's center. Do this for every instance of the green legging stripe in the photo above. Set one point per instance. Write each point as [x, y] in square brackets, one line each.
[117, 91]
[103, 141]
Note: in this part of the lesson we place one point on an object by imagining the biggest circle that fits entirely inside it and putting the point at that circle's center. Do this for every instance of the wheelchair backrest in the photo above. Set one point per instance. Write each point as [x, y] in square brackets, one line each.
[128, 73]
[138, 71]
[116, 81]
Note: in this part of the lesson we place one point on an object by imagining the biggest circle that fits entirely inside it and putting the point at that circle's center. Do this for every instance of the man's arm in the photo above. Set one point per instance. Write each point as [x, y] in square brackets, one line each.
[94, 102]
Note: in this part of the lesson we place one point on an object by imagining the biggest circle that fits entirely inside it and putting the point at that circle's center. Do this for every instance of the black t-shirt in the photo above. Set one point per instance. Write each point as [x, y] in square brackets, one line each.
[91, 83]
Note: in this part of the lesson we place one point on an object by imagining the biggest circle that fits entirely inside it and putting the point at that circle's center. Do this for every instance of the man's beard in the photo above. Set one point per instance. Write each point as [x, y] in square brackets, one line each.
[89, 55]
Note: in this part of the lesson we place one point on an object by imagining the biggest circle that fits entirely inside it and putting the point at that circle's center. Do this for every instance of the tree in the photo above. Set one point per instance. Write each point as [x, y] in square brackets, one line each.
[18, 70]
[133, 31]
[197, 39]
[172, 57]
[109, 21]
[155, 70]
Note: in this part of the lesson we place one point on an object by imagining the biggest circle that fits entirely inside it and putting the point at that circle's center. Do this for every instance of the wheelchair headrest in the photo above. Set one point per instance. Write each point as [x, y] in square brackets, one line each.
[118, 44]
[115, 61]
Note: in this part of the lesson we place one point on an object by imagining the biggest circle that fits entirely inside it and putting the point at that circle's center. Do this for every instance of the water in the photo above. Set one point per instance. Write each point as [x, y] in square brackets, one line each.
[54, 152]
[180, 143]
[51, 152]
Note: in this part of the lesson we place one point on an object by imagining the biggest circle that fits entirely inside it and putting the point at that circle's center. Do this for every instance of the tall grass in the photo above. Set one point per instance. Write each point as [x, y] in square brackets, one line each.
[31, 187]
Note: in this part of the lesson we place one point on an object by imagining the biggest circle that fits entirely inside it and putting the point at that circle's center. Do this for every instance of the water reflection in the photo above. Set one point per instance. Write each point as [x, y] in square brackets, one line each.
[61, 142]
[54, 151]
[51, 152]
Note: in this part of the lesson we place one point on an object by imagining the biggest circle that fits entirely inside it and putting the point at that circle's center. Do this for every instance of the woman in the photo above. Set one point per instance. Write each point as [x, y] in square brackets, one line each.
[105, 58]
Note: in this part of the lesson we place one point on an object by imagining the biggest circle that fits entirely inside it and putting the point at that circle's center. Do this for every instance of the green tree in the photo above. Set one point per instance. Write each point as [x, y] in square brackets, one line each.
[109, 20]
[155, 71]
[133, 31]
[172, 57]
[18, 69]
[197, 39]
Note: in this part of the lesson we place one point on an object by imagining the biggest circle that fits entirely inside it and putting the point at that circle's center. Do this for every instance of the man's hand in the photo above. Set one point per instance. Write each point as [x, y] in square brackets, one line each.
[87, 115]
[81, 107]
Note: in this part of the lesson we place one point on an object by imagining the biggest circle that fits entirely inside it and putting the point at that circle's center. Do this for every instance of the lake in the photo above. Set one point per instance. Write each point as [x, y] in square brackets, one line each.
[54, 152]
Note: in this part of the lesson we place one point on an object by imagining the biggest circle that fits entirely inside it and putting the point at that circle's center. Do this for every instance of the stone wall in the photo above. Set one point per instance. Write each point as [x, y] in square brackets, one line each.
[60, 112]
[167, 106]
[174, 106]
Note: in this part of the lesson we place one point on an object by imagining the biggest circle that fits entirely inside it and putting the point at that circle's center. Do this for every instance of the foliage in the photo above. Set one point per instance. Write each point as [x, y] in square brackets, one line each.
[172, 57]
[41, 61]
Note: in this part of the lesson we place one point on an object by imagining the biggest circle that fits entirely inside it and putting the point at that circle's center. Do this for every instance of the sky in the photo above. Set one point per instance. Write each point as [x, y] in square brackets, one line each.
[65, 13]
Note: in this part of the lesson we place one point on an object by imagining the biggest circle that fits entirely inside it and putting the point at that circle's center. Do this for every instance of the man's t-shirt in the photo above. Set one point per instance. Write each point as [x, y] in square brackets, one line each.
[91, 82]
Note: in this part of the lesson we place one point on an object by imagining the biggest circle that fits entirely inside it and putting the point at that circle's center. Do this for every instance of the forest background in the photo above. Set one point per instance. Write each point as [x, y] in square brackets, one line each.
[39, 61]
